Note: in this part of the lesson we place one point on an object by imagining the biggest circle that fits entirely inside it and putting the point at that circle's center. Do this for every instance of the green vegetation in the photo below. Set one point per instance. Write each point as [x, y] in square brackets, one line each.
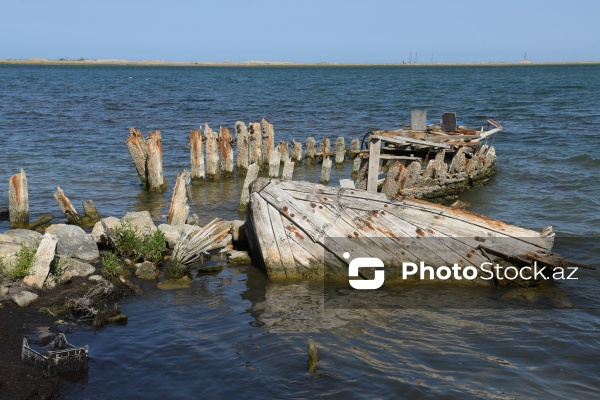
[148, 248]
[20, 268]
[111, 265]
[59, 264]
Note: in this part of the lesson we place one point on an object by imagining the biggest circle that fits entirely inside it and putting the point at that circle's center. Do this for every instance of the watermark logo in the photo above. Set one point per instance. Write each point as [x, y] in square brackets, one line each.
[365, 262]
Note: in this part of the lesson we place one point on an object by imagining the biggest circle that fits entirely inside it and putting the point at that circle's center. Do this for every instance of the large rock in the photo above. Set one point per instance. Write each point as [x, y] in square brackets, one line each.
[74, 242]
[41, 262]
[8, 252]
[141, 221]
[22, 236]
[98, 234]
[76, 268]
[24, 298]
[238, 257]
[173, 233]
[52, 229]
[146, 270]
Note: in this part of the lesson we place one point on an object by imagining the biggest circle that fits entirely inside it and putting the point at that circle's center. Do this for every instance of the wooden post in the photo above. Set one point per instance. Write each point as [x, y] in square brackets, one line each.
[374, 150]
[255, 144]
[362, 176]
[312, 355]
[138, 149]
[326, 170]
[197, 155]
[274, 163]
[179, 209]
[241, 147]
[66, 206]
[18, 201]
[90, 211]
[354, 146]
[212, 154]
[311, 150]
[325, 147]
[250, 177]
[418, 120]
[340, 150]
[296, 153]
[225, 142]
[268, 136]
[288, 171]
[356, 166]
[156, 180]
[284, 151]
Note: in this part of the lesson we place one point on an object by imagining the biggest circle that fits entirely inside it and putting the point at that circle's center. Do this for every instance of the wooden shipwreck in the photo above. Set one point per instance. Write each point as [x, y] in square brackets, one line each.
[301, 230]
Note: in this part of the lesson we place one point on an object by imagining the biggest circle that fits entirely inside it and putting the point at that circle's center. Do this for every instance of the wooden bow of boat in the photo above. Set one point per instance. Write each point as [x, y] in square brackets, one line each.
[301, 230]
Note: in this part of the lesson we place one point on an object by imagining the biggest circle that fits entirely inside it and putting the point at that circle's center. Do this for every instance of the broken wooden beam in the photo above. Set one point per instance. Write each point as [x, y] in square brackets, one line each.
[255, 144]
[340, 150]
[288, 170]
[296, 152]
[274, 163]
[179, 209]
[156, 180]
[311, 149]
[268, 140]
[326, 170]
[405, 140]
[241, 147]
[138, 150]
[212, 154]
[66, 207]
[18, 200]
[284, 151]
[250, 177]
[225, 143]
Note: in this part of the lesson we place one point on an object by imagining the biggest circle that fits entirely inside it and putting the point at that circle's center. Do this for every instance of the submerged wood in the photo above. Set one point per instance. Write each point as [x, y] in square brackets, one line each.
[179, 209]
[156, 180]
[18, 201]
[312, 355]
[241, 147]
[291, 224]
[311, 150]
[268, 140]
[212, 154]
[255, 144]
[250, 177]
[138, 149]
[225, 143]
[197, 155]
[195, 245]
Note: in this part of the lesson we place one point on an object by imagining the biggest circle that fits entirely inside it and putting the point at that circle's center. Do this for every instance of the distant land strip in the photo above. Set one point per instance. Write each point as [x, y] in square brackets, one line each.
[44, 61]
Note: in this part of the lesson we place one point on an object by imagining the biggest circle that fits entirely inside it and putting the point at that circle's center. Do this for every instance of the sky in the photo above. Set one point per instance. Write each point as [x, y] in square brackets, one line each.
[374, 31]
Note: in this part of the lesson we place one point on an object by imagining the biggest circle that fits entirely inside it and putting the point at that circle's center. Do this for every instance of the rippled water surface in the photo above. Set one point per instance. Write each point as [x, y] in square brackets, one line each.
[233, 333]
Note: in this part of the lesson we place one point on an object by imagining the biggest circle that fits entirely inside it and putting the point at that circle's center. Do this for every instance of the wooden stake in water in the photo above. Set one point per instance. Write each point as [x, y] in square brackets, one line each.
[138, 149]
[226, 144]
[288, 171]
[255, 144]
[212, 154]
[197, 155]
[284, 151]
[268, 136]
[340, 150]
[354, 147]
[66, 206]
[250, 177]
[156, 180]
[274, 164]
[311, 146]
[18, 201]
[312, 355]
[325, 147]
[179, 209]
[326, 170]
[241, 147]
[296, 152]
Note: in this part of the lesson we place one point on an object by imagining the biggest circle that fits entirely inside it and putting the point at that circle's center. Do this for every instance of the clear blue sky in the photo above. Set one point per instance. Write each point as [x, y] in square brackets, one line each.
[302, 30]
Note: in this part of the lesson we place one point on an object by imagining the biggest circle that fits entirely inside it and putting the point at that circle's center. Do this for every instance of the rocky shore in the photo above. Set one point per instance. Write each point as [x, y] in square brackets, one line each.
[55, 281]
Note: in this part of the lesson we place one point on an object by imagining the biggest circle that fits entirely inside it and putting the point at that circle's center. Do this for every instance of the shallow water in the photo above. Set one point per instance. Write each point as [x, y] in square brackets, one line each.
[234, 333]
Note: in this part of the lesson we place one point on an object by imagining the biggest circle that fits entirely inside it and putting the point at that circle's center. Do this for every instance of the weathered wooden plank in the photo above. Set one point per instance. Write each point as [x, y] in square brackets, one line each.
[274, 163]
[197, 155]
[18, 200]
[288, 171]
[354, 146]
[263, 227]
[212, 154]
[326, 170]
[268, 140]
[255, 144]
[310, 151]
[374, 153]
[241, 147]
[418, 120]
[340, 150]
[445, 138]
[179, 209]
[66, 206]
[250, 177]
[325, 147]
[286, 256]
[226, 146]
[138, 149]
[284, 151]
[296, 153]
[156, 180]
[406, 140]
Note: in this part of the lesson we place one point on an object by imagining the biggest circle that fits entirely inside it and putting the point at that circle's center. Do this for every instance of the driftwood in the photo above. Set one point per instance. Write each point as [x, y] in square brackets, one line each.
[291, 224]
[18, 201]
[179, 209]
[212, 154]
[268, 140]
[225, 143]
[241, 136]
[195, 245]
[197, 155]
[255, 134]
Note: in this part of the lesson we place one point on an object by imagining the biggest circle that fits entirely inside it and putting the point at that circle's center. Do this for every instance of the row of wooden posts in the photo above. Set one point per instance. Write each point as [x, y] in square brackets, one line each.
[212, 154]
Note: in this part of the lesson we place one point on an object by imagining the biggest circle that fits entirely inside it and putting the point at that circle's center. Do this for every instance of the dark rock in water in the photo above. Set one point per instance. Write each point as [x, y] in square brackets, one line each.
[146, 270]
[74, 242]
[181, 283]
[238, 257]
[109, 315]
[210, 268]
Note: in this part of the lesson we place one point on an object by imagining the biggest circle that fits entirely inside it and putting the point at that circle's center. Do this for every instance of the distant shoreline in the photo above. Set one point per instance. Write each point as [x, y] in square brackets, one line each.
[43, 61]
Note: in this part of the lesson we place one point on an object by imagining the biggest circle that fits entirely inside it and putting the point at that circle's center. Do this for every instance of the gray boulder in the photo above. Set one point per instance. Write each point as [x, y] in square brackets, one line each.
[52, 229]
[76, 268]
[23, 237]
[8, 251]
[24, 298]
[98, 234]
[173, 233]
[141, 221]
[146, 270]
[74, 242]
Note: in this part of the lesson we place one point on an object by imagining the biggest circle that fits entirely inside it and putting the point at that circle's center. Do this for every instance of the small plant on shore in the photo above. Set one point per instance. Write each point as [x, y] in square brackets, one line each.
[148, 248]
[59, 264]
[23, 264]
[111, 266]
